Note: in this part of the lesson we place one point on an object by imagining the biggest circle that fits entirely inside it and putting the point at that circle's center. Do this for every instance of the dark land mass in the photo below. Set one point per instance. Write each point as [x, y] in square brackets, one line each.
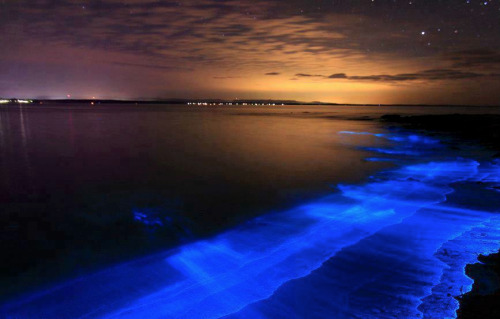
[483, 129]
[483, 301]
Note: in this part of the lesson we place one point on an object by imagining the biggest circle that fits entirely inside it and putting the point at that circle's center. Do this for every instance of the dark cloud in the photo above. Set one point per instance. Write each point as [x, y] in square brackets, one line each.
[272, 73]
[338, 76]
[480, 58]
[153, 66]
[212, 31]
[426, 75]
[217, 29]
[306, 75]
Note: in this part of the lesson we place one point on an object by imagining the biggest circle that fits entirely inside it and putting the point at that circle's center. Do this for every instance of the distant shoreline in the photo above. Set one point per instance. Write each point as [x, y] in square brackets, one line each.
[214, 102]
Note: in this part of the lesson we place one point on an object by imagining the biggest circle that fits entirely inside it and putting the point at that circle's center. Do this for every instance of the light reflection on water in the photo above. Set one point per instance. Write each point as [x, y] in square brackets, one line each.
[72, 178]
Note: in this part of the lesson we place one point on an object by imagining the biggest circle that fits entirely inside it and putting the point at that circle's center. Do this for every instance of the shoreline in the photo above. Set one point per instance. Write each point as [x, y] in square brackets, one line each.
[482, 300]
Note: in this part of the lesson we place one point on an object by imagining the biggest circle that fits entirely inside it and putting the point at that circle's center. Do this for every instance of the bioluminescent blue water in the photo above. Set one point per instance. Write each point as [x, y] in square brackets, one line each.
[408, 137]
[394, 247]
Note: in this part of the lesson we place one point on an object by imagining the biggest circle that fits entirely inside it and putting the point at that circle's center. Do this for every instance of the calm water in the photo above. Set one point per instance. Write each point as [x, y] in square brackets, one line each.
[83, 187]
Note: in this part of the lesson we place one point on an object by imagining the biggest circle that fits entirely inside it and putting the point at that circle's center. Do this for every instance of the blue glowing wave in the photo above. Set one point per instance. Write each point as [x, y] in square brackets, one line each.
[393, 247]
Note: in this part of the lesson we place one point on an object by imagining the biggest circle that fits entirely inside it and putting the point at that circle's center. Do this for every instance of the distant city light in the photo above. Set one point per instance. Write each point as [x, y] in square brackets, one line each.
[20, 101]
[232, 103]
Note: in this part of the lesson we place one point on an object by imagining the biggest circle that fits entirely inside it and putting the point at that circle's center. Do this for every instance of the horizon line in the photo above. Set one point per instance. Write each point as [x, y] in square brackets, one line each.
[284, 102]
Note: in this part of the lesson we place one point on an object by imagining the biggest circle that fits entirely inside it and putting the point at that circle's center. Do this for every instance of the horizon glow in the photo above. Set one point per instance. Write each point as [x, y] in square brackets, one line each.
[347, 52]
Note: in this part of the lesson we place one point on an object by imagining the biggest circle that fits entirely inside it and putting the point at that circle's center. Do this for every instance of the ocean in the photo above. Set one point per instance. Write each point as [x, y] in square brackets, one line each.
[186, 211]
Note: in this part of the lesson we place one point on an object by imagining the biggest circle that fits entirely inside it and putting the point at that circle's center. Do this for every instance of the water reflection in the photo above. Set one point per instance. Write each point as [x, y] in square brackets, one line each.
[75, 178]
[394, 246]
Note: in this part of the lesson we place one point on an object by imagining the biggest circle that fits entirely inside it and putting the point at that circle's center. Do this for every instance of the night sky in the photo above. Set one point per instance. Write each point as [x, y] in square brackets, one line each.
[366, 51]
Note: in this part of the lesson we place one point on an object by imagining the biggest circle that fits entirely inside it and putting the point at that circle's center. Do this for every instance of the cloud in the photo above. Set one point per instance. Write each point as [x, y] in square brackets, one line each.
[338, 76]
[482, 58]
[426, 75]
[222, 34]
[272, 73]
[154, 66]
[232, 34]
[306, 75]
